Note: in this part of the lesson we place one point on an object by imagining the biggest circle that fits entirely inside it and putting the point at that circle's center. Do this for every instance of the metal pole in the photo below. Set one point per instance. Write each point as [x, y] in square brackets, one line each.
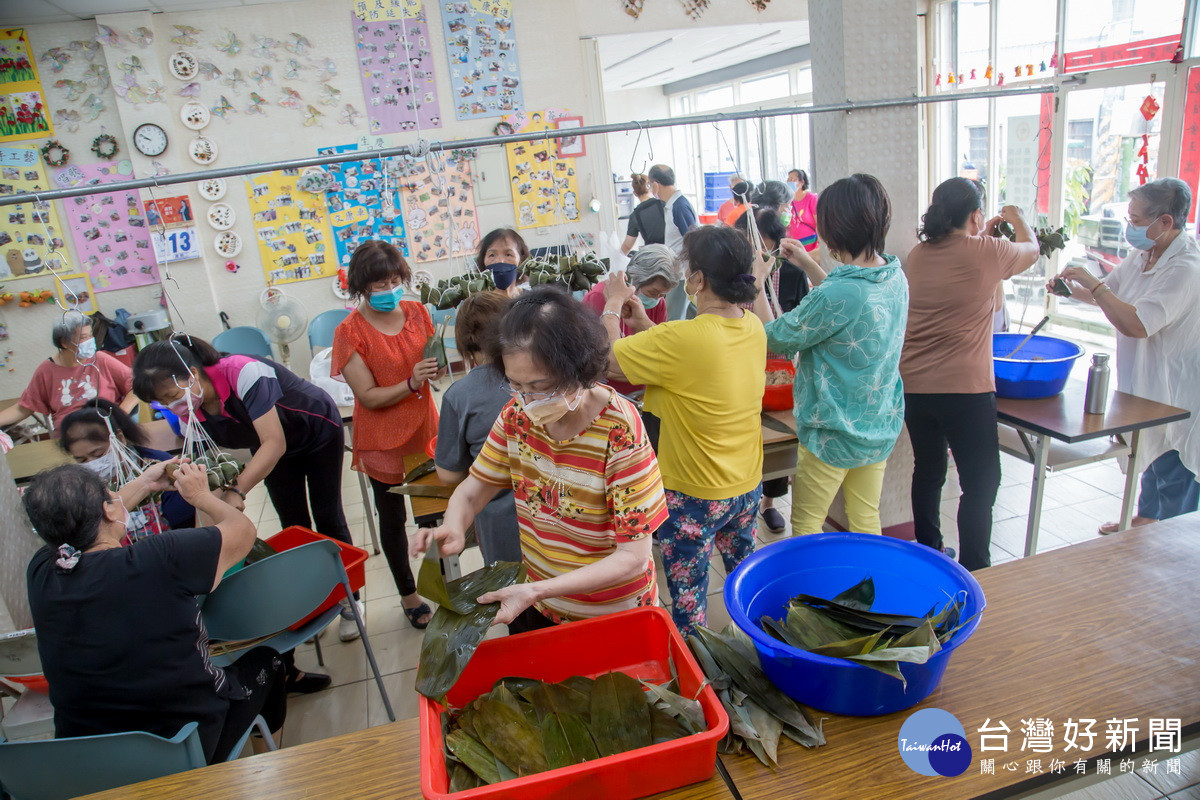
[421, 147]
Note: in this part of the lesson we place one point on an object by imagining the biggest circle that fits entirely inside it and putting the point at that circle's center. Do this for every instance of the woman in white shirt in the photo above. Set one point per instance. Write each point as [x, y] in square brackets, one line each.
[1153, 301]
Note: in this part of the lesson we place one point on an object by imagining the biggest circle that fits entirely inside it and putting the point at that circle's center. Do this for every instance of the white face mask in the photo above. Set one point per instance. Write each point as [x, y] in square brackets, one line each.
[86, 349]
[181, 406]
[551, 409]
[105, 466]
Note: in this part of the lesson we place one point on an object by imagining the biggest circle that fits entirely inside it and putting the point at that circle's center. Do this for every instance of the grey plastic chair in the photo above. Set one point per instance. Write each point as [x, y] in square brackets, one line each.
[57, 769]
[269, 595]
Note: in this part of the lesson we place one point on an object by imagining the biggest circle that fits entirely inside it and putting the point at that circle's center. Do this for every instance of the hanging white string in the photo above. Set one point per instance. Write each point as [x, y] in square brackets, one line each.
[145, 519]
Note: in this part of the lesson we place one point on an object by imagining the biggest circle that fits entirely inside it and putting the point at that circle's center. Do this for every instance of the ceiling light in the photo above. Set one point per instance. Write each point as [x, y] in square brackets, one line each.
[735, 48]
[642, 53]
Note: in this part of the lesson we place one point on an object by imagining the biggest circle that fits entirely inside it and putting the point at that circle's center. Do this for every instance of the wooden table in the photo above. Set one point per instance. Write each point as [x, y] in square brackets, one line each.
[380, 763]
[1098, 630]
[27, 460]
[779, 448]
[1031, 430]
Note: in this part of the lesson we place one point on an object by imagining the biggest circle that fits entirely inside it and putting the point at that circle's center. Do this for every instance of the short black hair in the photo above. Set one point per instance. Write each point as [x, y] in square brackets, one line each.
[560, 335]
[723, 255]
[953, 201]
[375, 260]
[768, 223]
[501, 233]
[854, 215]
[66, 506]
[87, 424]
[662, 174]
[170, 360]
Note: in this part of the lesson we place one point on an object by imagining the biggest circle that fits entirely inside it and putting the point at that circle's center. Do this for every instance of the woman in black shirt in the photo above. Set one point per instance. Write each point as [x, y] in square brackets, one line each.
[120, 636]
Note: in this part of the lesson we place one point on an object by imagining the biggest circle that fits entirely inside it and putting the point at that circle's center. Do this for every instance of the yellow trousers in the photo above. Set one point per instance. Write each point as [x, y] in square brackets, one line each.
[816, 485]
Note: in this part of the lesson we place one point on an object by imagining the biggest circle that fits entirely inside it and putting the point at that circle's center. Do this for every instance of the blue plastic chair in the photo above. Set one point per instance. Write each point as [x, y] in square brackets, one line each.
[320, 330]
[270, 595]
[64, 768]
[243, 341]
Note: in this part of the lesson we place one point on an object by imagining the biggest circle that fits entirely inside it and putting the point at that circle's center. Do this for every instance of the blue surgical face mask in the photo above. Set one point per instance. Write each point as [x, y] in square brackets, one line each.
[649, 302]
[387, 300]
[504, 274]
[794, 186]
[1137, 238]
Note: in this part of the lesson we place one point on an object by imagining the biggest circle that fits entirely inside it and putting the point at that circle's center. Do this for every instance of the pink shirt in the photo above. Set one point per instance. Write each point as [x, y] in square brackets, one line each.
[58, 390]
[594, 300]
[804, 221]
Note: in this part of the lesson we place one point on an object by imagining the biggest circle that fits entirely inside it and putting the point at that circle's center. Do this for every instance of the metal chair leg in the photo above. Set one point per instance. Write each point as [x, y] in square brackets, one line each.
[317, 643]
[362, 632]
[369, 511]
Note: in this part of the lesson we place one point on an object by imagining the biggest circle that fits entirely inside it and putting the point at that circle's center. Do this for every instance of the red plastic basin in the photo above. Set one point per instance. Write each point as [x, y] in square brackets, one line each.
[354, 559]
[779, 398]
[641, 642]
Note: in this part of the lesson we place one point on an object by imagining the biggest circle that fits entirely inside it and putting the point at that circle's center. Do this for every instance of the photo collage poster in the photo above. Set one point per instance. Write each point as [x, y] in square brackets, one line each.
[545, 188]
[292, 228]
[396, 66]
[112, 237]
[485, 76]
[28, 231]
[23, 110]
[431, 202]
[364, 204]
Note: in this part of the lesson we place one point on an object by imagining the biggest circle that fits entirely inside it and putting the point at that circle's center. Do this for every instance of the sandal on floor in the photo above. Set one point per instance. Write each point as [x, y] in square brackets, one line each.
[311, 682]
[415, 614]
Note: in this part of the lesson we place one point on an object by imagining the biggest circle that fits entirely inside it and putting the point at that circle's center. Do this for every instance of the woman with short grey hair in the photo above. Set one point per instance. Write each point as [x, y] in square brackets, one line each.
[1152, 299]
[75, 374]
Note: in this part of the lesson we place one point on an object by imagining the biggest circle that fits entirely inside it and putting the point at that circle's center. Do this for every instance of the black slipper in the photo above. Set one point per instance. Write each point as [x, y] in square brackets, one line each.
[310, 683]
[415, 614]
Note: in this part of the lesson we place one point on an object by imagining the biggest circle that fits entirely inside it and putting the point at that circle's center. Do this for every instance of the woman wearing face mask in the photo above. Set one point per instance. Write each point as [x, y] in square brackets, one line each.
[1153, 300]
[704, 379]
[84, 436]
[379, 350]
[946, 364]
[503, 251]
[72, 376]
[118, 634]
[575, 455]
[848, 332]
[292, 428]
[652, 272]
[803, 224]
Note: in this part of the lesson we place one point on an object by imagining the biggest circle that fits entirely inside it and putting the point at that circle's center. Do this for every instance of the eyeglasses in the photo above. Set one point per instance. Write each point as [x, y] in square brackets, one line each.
[527, 397]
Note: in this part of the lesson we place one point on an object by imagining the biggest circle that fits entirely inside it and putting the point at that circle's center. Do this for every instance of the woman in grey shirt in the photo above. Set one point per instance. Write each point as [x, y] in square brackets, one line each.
[469, 410]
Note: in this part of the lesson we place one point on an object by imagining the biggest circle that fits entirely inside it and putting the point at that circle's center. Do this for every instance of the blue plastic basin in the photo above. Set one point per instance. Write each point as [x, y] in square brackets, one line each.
[909, 579]
[1040, 369]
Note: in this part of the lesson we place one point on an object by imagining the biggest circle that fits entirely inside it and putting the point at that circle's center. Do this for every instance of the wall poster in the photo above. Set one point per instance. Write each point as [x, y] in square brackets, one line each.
[292, 228]
[485, 75]
[29, 232]
[396, 66]
[364, 204]
[545, 188]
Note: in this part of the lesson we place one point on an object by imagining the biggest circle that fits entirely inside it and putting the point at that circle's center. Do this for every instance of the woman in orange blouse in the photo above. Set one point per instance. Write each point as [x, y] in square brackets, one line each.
[585, 480]
[378, 350]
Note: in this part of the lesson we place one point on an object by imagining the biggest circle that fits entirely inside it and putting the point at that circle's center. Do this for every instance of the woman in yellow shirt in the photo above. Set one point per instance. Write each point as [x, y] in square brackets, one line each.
[704, 379]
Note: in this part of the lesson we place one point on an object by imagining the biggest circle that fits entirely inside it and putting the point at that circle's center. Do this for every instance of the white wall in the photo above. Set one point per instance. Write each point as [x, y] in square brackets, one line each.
[606, 17]
[554, 74]
[637, 104]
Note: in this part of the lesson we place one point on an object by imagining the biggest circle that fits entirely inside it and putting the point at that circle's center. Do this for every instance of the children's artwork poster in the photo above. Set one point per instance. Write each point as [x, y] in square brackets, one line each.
[439, 209]
[112, 239]
[396, 66]
[485, 75]
[23, 111]
[29, 232]
[364, 204]
[545, 188]
[292, 228]
[75, 291]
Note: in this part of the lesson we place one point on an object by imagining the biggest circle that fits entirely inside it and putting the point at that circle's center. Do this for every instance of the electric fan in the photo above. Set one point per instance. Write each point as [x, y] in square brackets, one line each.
[282, 318]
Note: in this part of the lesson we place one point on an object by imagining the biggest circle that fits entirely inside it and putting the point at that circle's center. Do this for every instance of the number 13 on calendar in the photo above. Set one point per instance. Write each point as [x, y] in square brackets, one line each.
[175, 244]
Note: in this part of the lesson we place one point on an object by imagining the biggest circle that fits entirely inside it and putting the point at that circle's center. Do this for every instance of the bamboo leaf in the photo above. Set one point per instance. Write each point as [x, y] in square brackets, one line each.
[912, 655]
[688, 711]
[511, 737]
[665, 727]
[861, 595]
[431, 584]
[566, 740]
[462, 778]
[620, 719]
[769, 729]
[470, 751]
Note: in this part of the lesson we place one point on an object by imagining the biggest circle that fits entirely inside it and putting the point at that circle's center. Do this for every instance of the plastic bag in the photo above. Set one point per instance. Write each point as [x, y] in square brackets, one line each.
[318, 373]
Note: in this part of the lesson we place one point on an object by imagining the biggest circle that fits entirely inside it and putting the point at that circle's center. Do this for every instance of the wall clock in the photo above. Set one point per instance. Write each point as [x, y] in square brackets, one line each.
[150, 139]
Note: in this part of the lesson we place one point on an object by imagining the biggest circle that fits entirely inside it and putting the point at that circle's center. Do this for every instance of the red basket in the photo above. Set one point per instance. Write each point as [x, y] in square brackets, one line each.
[779, 398]
[431, 448]
[34, 683]
[643, 643]
[354, 559]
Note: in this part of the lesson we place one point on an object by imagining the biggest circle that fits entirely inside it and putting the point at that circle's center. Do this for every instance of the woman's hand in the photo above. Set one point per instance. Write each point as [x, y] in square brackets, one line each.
[512, 599]
[450, 540]
[155, 476]
[761, 267]
[191, 481]
[1012, 215]
[793, 251]
[230, 497]
[425, 370]
[1080, 277]
[989, 227]
[633, 314]
[616, 291]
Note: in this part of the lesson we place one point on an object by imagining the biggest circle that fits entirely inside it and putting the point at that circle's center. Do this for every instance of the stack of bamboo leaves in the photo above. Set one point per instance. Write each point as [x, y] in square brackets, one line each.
[526, 726]
[572, 272]
[846, 627]
[759, 713]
